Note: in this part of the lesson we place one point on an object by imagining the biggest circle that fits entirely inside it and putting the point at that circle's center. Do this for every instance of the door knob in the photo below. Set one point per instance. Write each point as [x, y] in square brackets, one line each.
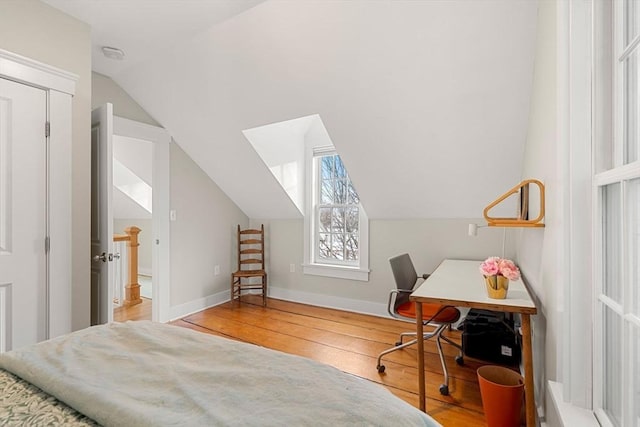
[102, 257]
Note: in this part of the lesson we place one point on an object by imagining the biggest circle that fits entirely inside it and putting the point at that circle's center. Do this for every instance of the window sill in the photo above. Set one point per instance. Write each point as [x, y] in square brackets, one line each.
[570, 415]
[338, 272]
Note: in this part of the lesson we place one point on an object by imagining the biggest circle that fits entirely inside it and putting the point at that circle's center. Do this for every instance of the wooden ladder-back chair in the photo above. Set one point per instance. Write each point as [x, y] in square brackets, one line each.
[250, 264]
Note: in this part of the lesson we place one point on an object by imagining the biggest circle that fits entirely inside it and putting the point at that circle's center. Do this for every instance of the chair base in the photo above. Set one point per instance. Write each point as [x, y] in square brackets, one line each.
[237, 287]
[444, 388]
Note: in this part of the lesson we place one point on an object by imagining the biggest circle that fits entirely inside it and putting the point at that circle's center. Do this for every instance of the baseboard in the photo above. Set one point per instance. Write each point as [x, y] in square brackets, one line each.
[327, 301]
[183, 310]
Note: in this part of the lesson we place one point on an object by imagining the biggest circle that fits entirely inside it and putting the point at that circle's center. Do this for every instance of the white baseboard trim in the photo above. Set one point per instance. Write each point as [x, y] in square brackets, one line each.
[570, 415]
[183, 310]
[327, 301]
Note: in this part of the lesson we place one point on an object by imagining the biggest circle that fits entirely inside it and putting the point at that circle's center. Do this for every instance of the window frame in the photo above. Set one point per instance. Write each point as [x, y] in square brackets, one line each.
[318, 205]
[339, 269]
[610, 150]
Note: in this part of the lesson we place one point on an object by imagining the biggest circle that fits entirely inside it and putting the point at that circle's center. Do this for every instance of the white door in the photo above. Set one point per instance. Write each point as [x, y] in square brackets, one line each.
[23, 274]
[101, 215]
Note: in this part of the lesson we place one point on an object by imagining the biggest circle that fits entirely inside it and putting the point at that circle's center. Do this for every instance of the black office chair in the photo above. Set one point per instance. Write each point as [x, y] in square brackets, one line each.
[437, 315]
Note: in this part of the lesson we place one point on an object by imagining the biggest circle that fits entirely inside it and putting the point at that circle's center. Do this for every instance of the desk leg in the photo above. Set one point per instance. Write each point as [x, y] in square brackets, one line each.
[530, 400]
[420, 333]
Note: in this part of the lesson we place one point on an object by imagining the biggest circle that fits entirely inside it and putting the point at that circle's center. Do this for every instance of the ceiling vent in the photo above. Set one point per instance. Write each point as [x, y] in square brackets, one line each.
[113, 53]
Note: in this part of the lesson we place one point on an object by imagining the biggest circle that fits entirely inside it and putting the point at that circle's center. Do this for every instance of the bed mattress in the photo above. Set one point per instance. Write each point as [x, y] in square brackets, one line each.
[147, 374]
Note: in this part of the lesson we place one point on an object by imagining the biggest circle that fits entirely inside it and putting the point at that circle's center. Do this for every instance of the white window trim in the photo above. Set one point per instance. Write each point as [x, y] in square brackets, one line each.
[349, 272]
[616, 172]
[574, 98]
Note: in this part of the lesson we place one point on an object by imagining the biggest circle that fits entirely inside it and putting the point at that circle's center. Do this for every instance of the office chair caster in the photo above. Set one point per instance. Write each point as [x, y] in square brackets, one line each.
[459, 360]
[444, 390]
[381, 369]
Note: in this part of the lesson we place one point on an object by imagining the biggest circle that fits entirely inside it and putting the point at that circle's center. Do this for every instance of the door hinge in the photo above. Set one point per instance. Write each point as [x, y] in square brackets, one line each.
[47, 244]
[47, 129]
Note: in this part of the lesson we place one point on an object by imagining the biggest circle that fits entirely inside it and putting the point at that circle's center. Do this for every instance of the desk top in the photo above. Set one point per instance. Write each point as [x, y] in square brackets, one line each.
[460, 283]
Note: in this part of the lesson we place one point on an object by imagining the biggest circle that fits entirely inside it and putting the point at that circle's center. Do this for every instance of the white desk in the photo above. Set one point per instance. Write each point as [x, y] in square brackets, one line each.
[459, 283]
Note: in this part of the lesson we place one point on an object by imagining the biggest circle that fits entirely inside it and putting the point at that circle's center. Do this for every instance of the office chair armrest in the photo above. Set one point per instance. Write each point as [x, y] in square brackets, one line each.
[392, 299]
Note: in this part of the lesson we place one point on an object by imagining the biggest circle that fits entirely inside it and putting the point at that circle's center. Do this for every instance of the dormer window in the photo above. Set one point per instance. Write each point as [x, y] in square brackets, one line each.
[301, 156]
[336, 226]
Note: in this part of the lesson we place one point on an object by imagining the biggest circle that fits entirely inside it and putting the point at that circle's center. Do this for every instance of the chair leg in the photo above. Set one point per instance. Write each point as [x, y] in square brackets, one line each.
[405, 334]
[444, 388]
[380, 366]
[453, 343]
[427, 335]
[264, 290]
[400, 345]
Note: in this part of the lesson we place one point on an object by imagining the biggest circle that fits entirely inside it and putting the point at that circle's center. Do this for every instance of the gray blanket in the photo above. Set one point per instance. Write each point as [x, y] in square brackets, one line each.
[150, 374]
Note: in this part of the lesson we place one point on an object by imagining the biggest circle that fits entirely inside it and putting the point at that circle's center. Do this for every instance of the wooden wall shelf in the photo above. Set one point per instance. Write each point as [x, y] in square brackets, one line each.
[522, 220]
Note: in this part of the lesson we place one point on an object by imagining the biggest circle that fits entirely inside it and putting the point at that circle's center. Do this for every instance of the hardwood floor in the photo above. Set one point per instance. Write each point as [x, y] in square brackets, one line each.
[351, 342]
[135, 312]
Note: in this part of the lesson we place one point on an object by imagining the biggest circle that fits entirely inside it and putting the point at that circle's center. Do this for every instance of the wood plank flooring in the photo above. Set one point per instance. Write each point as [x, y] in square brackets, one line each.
[351, 342]
[140, 311]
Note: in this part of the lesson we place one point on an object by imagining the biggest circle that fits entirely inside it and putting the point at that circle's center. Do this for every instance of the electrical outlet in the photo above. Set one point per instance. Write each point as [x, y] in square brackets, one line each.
[216, 270]
[292, 268]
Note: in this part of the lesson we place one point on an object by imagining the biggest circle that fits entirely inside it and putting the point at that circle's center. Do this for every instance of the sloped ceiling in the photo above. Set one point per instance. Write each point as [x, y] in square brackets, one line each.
[145, 28]
[426, 101]
[125, 208]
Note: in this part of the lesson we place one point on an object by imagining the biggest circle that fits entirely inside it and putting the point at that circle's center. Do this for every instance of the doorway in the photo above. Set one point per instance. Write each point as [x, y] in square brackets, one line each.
[133, 141]
[132, 214]
[157, 238]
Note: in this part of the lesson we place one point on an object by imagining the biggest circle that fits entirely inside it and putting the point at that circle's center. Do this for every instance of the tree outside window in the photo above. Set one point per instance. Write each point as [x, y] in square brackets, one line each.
[337, 209]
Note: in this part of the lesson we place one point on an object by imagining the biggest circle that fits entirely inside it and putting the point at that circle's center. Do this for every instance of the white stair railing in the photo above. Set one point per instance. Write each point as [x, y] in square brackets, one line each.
[119, 271]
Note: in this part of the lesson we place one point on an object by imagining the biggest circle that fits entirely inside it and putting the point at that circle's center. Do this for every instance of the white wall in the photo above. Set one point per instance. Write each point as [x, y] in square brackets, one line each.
[105, 90]
[538, 250]
[281, 147]
[203, 235]
[427, 241]
[136, 155]
[38, 31]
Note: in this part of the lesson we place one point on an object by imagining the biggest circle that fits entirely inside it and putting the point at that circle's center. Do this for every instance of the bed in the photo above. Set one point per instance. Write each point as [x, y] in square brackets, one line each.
[152, 374]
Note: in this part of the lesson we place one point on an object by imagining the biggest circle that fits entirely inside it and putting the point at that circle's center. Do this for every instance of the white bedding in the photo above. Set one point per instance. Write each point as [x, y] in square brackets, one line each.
[150, 374]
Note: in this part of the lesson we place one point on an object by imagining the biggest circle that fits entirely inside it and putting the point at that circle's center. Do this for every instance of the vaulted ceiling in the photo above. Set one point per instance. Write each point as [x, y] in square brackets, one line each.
[427, 102]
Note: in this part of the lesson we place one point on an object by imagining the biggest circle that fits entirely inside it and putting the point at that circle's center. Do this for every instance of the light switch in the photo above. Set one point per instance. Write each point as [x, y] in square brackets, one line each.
[172, 215]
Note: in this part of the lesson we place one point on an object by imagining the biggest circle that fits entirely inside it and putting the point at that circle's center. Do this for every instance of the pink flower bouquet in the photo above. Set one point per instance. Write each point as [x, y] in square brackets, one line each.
[496, 266]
